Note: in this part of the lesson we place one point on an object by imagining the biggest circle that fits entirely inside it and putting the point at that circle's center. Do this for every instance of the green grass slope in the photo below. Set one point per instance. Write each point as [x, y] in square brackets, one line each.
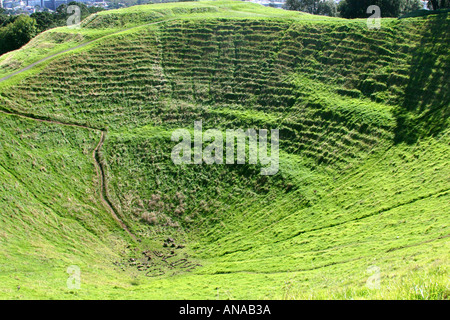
[364, 172]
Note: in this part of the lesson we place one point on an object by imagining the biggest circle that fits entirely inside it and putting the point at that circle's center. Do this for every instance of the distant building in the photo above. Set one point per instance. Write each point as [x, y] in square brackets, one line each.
[8, 4]
[269, 3]
[34, 3]
[31, 6]
[29, 9]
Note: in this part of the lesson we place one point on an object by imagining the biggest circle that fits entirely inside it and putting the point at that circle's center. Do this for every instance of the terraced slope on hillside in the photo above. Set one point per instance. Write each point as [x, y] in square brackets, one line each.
[364, 173]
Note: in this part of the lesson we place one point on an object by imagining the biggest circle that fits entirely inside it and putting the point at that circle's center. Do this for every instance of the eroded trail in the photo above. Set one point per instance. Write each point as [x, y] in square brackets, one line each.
[97, 161]
[103, 189]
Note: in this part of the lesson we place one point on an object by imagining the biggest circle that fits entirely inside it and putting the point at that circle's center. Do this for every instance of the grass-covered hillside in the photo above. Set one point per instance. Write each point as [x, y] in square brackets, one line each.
[362, 191]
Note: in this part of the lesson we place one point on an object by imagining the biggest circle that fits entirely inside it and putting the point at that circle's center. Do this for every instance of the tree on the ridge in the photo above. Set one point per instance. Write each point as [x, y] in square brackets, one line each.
[358, 8]
[321, 7]
[18, 33]
[389, 8]
[410, 5]
[44, 20]
[327, 8]
[438, 4]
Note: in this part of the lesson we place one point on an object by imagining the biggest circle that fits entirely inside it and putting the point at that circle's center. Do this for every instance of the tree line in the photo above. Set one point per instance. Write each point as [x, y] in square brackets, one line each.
[357, 8]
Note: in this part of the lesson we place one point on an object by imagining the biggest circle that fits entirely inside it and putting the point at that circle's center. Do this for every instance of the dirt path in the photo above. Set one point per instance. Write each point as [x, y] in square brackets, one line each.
[97, 161]
[103, 187]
